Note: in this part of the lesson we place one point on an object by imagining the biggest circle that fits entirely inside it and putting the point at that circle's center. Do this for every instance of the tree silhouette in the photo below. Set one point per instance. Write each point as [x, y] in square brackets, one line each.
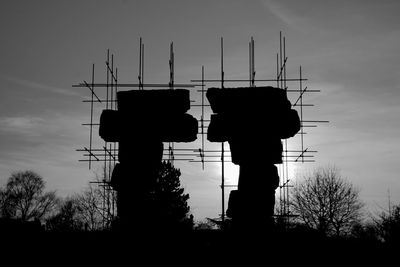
[171, 204]
[168, 207]
[24, 198]
[67, 219]
[327, 202]
[82, 211]
[89, 208]
[388, 225]
[6, 205]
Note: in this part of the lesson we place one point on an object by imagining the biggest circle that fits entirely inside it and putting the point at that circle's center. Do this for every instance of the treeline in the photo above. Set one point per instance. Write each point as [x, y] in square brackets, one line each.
[329, 204]
[323, 204]
[26, 206]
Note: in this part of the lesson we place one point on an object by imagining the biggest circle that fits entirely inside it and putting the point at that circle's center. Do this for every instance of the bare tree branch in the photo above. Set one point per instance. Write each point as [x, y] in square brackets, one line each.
[24, 197]
[327, 202]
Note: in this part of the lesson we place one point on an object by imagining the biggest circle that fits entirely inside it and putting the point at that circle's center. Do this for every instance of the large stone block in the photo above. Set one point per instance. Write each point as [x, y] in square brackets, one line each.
[257, 178]
[145, 153]
[134, 179]
[248, 100]
[251, 113]
[223, 127]
[290, 124]
[219, 128]
[166, 101]
[151, 115]
[179, 128]
[164, 127]
[110, 126]
[253, 151]
[233, 204]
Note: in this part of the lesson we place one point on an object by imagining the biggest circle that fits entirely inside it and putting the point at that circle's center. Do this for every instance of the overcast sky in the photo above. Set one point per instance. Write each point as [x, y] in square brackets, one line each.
[348, 49]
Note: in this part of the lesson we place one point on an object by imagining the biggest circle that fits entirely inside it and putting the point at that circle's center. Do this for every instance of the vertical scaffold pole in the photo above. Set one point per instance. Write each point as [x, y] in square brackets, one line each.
[91, 120]
[222, 144]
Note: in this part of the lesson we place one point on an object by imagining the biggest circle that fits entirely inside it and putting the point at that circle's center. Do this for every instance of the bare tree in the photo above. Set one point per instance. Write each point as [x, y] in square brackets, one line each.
[82, 211]
[24, 197]
[327, 202]
[67, 219]
[89, 208]
[6, 207]
[388, 225]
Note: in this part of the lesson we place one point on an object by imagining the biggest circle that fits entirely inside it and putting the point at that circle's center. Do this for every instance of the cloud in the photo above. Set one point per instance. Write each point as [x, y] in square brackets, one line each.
[47, 145]
[21, 125]
[25, 133]
[278, 11]
[40, 86]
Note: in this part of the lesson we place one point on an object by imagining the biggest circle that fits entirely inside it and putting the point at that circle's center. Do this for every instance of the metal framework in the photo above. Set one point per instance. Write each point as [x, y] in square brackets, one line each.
[103, 95]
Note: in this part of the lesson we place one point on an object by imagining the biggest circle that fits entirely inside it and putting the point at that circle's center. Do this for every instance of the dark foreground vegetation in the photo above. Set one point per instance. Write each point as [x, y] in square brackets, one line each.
[36, 227]
[190, 247]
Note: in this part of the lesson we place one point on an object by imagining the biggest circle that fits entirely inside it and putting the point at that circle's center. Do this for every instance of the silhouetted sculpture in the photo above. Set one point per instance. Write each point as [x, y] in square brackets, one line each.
[253, 121]
[144, 120]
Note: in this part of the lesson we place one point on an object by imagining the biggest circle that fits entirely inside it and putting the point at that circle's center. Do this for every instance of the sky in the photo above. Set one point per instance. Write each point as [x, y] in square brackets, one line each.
[347, 49]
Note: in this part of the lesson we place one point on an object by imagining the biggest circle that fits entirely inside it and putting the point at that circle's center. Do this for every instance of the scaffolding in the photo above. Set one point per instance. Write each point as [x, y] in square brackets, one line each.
[103, 96]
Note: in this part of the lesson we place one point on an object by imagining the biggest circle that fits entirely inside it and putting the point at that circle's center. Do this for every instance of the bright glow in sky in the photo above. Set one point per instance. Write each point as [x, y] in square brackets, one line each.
[348, 49]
